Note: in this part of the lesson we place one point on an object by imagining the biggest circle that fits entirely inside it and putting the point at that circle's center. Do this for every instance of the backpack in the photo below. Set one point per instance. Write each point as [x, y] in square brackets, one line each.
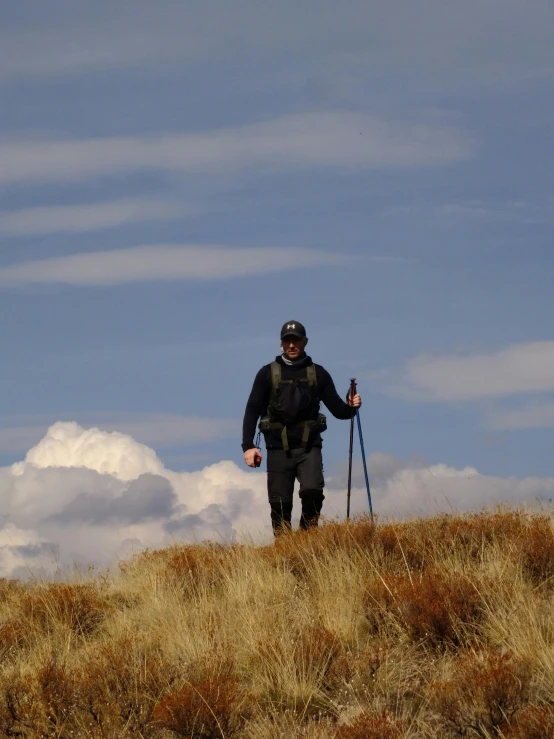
[293, 403]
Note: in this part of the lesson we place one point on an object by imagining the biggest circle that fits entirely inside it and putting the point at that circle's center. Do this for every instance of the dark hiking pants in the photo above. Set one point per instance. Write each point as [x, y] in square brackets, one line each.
[283, 468]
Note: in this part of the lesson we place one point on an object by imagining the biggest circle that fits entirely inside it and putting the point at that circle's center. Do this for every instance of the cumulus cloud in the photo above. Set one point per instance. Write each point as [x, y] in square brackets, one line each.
[87, 216]
[24, 553]
[149, 497]
[90, 496]
[342, 140]
[520, 368]
[160, 262]
[70, 445]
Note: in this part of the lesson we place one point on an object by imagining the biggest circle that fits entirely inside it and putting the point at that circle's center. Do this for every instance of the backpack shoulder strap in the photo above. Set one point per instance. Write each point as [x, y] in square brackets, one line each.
[275, 376]
[311, 375]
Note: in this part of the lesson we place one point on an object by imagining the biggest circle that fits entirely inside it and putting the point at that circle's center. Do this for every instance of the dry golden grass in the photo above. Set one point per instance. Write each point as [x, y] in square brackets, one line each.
[436, 627]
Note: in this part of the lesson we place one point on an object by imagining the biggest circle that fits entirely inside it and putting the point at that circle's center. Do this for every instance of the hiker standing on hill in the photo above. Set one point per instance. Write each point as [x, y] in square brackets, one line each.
[286, 395]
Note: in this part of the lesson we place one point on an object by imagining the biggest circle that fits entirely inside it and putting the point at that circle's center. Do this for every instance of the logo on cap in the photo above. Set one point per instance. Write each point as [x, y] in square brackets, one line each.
[291, 325]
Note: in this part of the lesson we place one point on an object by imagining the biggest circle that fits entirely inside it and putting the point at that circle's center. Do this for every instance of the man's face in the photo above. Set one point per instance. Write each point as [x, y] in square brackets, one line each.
[293, 346]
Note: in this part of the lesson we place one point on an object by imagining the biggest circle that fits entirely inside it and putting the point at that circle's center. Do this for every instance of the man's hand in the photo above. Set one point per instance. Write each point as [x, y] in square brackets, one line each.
[355, 402]
[253, 457]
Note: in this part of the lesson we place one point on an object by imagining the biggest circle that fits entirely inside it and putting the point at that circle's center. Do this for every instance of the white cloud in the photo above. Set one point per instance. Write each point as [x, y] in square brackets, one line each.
[533, 415]
[412, 488]
[519, 368]
[335, 140]
[90, 496]
[24, 553]
[87, 216]
[67, 444]
[161, 262]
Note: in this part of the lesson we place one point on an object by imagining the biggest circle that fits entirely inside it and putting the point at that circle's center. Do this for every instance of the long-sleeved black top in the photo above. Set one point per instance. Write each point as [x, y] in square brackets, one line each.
[261, 393]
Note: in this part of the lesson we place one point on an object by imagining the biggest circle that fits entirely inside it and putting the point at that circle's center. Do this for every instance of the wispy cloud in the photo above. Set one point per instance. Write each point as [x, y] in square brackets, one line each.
[334, 140]
[478, 211]
[533, 415]
[511, 210]
[90, 37]
[161, 262]
[517, 369]
[71, 49]
[87, 216]
[159, 430]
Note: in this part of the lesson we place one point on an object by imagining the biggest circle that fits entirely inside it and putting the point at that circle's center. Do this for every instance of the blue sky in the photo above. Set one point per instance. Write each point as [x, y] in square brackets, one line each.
[179, 179]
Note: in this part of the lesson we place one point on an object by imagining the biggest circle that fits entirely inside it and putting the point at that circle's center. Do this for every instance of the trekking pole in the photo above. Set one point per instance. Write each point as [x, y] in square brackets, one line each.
[365, 465]
[352, 394]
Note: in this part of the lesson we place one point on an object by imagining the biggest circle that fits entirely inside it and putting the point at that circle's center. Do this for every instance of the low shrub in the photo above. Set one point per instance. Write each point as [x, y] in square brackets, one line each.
[43, 701]
[434, 605]
[371, 726]
[484, 694]
[533, 722]
[403, 546]
[119, 684]
[215, 707]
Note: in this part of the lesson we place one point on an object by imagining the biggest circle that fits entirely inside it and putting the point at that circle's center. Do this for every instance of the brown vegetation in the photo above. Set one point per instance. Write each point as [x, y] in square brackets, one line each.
[437, 627]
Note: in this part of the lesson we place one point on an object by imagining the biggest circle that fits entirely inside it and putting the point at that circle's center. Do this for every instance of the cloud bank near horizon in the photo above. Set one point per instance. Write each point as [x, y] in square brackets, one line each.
[89, 496]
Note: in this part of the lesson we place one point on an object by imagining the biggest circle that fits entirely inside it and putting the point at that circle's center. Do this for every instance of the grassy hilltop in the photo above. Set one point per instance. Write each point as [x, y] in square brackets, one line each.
[438, 627]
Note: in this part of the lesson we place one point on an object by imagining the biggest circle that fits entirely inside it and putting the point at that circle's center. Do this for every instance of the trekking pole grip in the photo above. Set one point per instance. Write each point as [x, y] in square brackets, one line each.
[353, 388]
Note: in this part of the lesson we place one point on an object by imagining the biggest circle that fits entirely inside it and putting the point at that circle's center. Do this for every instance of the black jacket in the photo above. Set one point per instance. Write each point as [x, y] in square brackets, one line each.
[261, 393]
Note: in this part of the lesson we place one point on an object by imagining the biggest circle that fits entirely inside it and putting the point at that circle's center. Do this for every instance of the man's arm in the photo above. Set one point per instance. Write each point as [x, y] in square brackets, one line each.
[329, 396]
[255, 407]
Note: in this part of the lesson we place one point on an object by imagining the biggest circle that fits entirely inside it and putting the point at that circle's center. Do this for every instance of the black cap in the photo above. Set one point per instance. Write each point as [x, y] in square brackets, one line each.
[293, 328]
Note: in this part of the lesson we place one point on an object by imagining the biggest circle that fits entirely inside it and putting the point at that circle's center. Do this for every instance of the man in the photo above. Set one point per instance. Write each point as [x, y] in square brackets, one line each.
[287, 395]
